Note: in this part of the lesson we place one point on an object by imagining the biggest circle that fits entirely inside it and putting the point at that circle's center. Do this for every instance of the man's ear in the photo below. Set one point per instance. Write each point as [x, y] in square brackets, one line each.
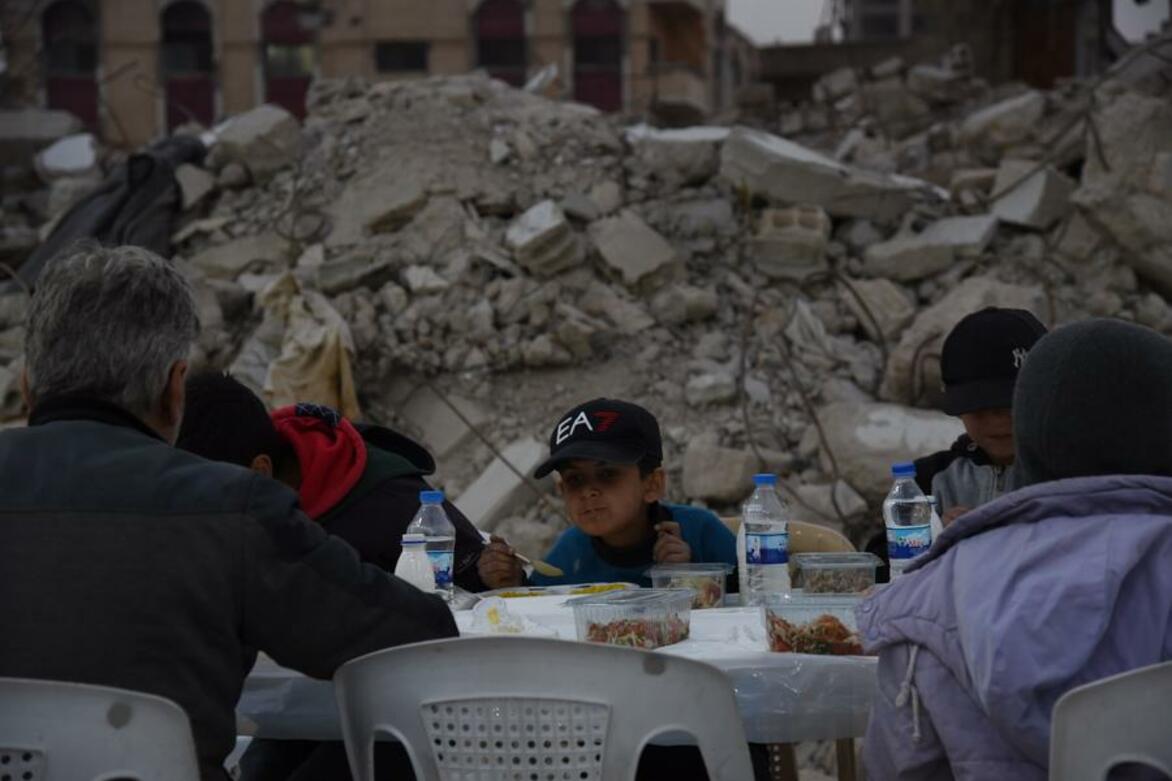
[262, 465]
[174, 398]
[655, 486]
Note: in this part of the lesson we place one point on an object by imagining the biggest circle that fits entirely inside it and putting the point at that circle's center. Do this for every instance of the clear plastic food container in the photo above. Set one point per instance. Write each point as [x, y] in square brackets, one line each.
[837, 573]
[648, 618]
[707, 580]
[812, 624]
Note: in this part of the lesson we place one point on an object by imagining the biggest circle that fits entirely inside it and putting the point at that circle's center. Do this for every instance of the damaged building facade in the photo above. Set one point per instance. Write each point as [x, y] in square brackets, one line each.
[135, 69]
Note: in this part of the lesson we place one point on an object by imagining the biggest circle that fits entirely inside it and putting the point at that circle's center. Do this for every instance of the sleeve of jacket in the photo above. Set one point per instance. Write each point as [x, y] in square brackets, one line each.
[469, 546]
[309, 602]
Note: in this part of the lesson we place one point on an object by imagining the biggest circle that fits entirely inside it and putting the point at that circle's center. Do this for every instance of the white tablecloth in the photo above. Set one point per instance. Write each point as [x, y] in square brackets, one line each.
[783, 698]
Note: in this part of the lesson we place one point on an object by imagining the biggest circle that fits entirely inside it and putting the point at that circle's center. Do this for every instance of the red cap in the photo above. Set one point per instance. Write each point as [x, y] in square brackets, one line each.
[329, 449]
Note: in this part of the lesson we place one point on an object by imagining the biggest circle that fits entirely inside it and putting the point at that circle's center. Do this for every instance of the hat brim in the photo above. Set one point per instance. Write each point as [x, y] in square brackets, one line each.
[979, 395]
[607, 452]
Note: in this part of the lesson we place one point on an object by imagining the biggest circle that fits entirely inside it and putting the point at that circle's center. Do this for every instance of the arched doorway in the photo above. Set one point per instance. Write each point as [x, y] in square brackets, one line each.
[499, 27]
[70, 35]
[597, 29]
[187, 64]
[289, 54]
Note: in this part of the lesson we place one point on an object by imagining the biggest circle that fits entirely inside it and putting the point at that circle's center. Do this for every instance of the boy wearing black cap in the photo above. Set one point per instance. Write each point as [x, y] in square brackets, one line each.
[609, 458]
[979, 364]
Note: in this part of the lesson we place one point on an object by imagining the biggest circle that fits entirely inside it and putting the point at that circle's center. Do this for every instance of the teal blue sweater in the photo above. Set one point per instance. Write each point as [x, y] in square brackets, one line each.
[586, 559]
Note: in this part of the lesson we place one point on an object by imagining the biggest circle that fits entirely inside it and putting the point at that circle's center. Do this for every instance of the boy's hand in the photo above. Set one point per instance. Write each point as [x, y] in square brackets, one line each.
[952, 514]
[498, 566]
[670, 548]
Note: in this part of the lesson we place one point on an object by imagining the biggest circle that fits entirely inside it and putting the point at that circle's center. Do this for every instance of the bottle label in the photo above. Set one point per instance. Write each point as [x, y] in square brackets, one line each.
[441, 566]
[907, 542]
[767, 548]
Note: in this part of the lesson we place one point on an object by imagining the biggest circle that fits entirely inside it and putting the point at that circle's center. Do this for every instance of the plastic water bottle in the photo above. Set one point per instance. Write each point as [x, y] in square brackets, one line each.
[432, 522]
[414, 566]
[907, 513]
[765, 527]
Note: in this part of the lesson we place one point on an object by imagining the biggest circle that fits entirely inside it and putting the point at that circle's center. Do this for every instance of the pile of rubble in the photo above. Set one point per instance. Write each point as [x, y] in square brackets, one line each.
[465, 261]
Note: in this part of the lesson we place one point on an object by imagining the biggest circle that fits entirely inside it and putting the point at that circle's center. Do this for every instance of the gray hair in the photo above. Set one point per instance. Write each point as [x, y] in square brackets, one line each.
[108, 323]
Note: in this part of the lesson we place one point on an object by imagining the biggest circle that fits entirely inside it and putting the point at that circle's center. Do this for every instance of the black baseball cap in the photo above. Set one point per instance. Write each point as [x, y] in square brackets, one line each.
[982, 356]
[608, 430]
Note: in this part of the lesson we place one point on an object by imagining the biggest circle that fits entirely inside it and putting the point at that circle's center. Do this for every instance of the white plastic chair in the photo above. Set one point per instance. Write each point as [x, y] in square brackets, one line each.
[57, 731]
[530, 709]
[1124, 718]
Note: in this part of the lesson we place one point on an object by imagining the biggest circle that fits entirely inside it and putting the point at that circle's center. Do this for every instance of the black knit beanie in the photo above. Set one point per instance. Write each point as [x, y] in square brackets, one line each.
[1094, 398]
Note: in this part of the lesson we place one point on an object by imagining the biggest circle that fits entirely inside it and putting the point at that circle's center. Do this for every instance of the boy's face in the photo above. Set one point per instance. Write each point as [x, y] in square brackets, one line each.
[609, 500]
[992, 430]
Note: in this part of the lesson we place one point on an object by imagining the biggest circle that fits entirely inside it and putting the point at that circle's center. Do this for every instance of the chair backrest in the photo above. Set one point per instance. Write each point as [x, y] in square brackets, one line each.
[535, 709]
[1124, 718]
[805, 537]
[57, 731]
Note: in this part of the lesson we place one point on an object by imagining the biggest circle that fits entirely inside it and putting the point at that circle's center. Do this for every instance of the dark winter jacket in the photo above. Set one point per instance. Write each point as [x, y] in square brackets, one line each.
[130, 563]
[374, 514]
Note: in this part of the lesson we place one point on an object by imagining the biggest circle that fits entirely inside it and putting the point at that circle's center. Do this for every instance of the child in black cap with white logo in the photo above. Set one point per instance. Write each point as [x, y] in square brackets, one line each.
[609, 458]
[979, 365]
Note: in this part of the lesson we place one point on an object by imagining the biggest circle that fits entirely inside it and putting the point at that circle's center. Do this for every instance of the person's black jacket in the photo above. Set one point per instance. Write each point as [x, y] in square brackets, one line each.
[375, 513]
[129, 563]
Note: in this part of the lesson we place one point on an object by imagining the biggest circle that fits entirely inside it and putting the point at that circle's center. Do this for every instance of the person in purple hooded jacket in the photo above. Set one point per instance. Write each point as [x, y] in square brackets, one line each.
[1065, 581]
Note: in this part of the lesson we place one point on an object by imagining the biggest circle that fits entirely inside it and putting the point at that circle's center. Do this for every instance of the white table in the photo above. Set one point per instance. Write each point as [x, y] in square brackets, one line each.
[783, 698]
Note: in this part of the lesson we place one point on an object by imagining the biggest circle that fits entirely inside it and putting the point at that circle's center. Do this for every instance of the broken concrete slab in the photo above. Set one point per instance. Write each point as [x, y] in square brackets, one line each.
[630, 248]
[907, 258]
[423, 281]
[717, 474]
[25, 131]
[358, 269]
[678, 157]
[791, 243]
[1006, 123]
[442, 429]
[72, 156]
[967, 236]
[711, 388]
[821, 499]
[195, 184]
[228, 261]
[866, 439]
[788, 173]
[913, 367]
[836, 84]
[1032, 197]
[500, 491]
[607, 196]
[265, 139]
[681, 304]
[543, 241]
[377, 203]
[882, 307]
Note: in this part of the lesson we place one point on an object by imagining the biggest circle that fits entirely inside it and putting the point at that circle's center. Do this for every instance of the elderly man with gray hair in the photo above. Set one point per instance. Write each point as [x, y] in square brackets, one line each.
[130, 563]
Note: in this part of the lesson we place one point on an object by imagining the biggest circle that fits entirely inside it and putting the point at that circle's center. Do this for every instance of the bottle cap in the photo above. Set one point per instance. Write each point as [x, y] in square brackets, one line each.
[431, 497]
[905, 469]
[765, 479]
[414, 539]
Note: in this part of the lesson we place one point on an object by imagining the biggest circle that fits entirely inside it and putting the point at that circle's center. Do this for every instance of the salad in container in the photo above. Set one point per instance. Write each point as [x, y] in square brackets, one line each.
[648, 618]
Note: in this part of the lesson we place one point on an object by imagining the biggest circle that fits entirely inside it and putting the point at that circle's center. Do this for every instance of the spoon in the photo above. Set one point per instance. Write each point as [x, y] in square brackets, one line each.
[539, 566]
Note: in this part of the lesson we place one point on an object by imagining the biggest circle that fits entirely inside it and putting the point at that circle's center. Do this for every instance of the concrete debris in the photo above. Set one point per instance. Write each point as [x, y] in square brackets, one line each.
[786, 172]
[1004, 124]
[499, 490]
[717, 474]
[195, 184]
[868, 438]
[714, 388]
[682, 304]
[882, 308]
[423, 281]
[71, 156]
[229, 261]
[791, 243]
[907, 258]
[442, 428]
[380, 202]
[635, 252]
[23, 132]
[543, 241]
[1032, 196]
[689, 156]
[265, 140]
